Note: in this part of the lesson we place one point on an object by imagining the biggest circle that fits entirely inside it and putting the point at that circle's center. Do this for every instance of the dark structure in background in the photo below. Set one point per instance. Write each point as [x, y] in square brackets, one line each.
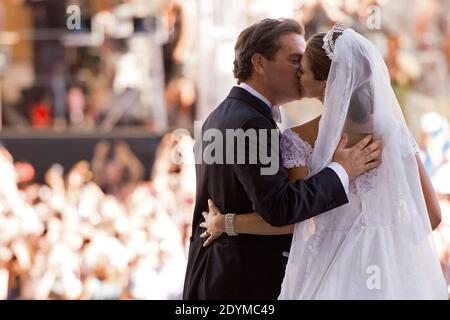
[44, 149]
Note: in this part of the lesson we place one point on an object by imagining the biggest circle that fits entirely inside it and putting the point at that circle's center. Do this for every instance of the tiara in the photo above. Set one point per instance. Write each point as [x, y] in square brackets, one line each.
[328, 42]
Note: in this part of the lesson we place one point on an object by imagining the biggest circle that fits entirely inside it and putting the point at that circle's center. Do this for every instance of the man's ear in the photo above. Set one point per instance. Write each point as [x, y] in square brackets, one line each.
[259, 63]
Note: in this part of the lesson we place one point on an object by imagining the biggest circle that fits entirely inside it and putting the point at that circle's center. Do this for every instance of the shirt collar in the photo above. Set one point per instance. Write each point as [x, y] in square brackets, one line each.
[276, 115]
[255, 93]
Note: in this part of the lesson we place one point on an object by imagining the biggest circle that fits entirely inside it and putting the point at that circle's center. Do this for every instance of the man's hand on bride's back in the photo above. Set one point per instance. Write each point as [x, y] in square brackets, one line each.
[214, 223]
[362, 157]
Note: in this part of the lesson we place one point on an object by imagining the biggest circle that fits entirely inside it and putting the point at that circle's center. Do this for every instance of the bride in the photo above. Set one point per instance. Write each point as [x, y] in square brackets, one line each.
[379, 245]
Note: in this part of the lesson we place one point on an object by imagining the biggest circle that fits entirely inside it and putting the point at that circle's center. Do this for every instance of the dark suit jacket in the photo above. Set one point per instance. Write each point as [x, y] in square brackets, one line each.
[249, 266]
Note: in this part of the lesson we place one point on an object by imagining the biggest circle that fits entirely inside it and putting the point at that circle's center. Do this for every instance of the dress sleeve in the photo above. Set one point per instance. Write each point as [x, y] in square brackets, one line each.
[295, 152]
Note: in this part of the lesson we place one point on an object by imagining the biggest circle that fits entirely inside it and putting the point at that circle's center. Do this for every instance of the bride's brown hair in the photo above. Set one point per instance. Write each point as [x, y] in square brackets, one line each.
[361, 102]
[319, 62]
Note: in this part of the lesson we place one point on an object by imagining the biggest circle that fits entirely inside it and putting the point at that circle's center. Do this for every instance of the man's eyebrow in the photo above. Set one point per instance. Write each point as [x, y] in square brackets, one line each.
[295, 55]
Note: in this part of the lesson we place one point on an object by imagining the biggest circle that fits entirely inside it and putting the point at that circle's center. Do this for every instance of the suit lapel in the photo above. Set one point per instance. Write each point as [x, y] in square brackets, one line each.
[252, 101]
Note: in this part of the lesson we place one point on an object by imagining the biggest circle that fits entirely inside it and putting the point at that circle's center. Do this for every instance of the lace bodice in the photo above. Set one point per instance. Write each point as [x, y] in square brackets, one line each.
[295, 152]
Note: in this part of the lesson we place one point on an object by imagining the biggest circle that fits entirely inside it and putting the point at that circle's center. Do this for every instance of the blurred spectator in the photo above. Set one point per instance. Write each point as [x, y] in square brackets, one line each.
[100, 93]
[314, 17]
[179, 26]
[25, 172]
[76, 106]
[180, 89]
[442, 233]
[181, 99]
[116, 168]
[435, 137]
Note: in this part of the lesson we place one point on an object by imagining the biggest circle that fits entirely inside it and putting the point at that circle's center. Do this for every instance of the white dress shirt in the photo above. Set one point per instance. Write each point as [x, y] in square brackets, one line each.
[336, 167]
[276, 114]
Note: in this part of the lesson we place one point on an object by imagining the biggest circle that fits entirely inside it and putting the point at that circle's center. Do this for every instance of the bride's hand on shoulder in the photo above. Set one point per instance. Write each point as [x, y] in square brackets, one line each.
[214, 224]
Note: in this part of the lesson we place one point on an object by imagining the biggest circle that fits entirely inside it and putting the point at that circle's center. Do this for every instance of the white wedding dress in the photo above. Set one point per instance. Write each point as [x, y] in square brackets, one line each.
[379, 245]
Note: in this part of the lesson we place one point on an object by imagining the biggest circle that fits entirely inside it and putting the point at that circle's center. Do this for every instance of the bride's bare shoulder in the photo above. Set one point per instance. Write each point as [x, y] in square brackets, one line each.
[308, 131]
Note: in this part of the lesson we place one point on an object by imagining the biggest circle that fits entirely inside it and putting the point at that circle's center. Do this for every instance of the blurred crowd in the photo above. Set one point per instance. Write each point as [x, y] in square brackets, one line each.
[97, 231]
[100, 231]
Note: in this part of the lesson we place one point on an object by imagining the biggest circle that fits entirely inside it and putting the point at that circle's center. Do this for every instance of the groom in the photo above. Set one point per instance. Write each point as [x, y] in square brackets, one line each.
[267, 56]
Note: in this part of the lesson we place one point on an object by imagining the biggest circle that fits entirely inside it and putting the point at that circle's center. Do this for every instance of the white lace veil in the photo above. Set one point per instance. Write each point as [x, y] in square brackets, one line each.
[385, 225]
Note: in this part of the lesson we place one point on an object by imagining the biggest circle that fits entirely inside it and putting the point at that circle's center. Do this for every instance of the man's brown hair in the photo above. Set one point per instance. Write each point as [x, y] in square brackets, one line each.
[262, 37]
